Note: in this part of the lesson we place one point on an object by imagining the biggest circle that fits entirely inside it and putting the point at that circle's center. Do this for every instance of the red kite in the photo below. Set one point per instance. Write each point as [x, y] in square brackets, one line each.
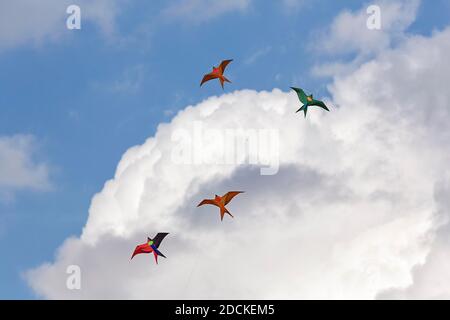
[151, 246]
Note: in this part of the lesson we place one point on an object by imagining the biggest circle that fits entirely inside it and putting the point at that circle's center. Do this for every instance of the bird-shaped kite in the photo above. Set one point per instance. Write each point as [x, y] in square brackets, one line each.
[221, 202]
[150, 246]
[217, 73]
[308, 101]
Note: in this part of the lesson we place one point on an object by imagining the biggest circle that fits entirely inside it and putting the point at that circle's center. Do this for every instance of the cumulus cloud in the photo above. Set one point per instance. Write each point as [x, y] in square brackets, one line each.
[351, 212]
[29, 22]
[18, 169]
[431, 279]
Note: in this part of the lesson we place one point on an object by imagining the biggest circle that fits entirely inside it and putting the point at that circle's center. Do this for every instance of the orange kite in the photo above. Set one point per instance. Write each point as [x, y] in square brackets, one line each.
[221, 202]
[217, 73]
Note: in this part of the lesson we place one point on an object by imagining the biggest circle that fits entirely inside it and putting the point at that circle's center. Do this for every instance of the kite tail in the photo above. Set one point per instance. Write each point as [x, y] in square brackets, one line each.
[223, 211]
[304, 108]
[159, 253]
[223, 80]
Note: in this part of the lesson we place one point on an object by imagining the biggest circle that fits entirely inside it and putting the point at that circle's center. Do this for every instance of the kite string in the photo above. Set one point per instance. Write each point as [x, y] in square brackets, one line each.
[192, 270]
[194, 266]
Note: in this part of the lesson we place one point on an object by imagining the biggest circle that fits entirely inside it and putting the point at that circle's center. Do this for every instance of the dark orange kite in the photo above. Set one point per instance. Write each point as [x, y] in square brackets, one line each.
[217, 73]
[221, 202]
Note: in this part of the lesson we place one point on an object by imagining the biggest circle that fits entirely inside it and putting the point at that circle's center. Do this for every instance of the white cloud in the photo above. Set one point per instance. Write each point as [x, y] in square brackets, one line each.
[350, 214]
[431, 279]
[349, 34]
[203, 10]
[18, 169]
[258, 54]
[129, 82]
[29, 22]
[294, 4]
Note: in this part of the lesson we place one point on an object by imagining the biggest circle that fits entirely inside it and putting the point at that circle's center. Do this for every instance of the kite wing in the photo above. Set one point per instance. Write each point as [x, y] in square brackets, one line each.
[301, 95]
[159, 253]
[319, 104]
[224, 64]
[230, 195]
[207, 201]
[158, 238]
[208, 77]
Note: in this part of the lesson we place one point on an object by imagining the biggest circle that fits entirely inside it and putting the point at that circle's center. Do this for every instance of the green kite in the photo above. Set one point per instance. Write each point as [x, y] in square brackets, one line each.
[308, 101]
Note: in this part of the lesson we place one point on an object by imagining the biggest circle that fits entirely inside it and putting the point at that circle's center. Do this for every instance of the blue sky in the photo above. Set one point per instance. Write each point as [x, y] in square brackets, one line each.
[87, 97]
